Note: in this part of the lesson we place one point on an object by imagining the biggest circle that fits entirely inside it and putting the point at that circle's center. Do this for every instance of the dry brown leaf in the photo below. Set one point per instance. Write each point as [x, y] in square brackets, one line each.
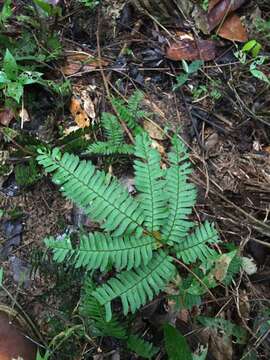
[221, 267]
[13, 343]
[80, 116]
[153, 130]
[212, 4]
[192, 50]
[6, 115]
[221, 10]
[233, 29]
[88, 104]
[81, 62]
[267, 149]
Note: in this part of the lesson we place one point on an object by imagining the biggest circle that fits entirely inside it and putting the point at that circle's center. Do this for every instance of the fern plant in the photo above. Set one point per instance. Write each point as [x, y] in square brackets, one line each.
[139, 236]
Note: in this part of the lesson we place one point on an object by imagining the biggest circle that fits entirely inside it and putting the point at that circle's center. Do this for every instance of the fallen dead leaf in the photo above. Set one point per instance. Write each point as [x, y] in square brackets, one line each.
[212, 4]
[233, 29]
[192, 50]
[81, 62]
[88, 104]
[212, 141]
[6, 115]
[24, 115]
[153, 130]
[80, 116]
[267, 149]
[221, 10]
[221, 267]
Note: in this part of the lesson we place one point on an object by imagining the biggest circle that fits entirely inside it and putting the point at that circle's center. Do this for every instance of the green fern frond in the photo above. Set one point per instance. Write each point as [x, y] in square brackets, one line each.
[107, 148]
[27, 174]
[194, 246]
[62, 249]
[98, 250]
[113, 129]
[135, 287]
[233, 269]
[181, 194]
[130, 113]
[99, 195]
[115, 138]
[148, 181]
[141, 347]
[92, 310]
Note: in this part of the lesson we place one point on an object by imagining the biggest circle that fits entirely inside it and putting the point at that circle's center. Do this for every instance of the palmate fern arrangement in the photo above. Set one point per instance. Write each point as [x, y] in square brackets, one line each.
[140, 236]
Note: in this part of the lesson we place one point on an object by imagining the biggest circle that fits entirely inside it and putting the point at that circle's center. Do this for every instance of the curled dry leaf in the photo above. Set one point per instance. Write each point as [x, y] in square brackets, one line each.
[232, 29]
[221, 10]
[192, 50]
[79, 114]
[6, 115]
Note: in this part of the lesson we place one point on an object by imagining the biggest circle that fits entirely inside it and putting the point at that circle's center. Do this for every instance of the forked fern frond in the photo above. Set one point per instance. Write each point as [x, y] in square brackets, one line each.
[149, 183]
[92, 310]
[97, 251]
[194, 246]
[100, 195]
[141, 347]
[136, 287]
[181, 194]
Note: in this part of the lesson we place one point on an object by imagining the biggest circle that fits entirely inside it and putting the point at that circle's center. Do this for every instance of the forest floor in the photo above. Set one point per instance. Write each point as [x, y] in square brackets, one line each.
[221, 112]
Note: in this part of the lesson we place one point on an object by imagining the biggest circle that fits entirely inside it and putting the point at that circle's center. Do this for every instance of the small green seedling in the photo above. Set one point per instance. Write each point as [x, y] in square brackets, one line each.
[253, 48]
[189, 69]
[13, 78]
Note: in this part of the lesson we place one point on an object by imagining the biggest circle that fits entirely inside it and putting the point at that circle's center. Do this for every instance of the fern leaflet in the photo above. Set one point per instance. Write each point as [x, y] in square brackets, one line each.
[182, 195]
[131, 112]
[115, 138]
[141, 347]
[194, 246]
[92, 310]
[148, 182]
[101, 196]
[136, 287]
[98, 250]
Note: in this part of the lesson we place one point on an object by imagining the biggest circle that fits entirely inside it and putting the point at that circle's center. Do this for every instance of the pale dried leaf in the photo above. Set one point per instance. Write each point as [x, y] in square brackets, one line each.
[24, 115]
[154, 131]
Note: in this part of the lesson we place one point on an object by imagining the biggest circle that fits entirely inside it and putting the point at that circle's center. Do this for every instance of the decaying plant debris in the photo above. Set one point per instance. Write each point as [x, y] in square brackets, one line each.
[89, 78]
